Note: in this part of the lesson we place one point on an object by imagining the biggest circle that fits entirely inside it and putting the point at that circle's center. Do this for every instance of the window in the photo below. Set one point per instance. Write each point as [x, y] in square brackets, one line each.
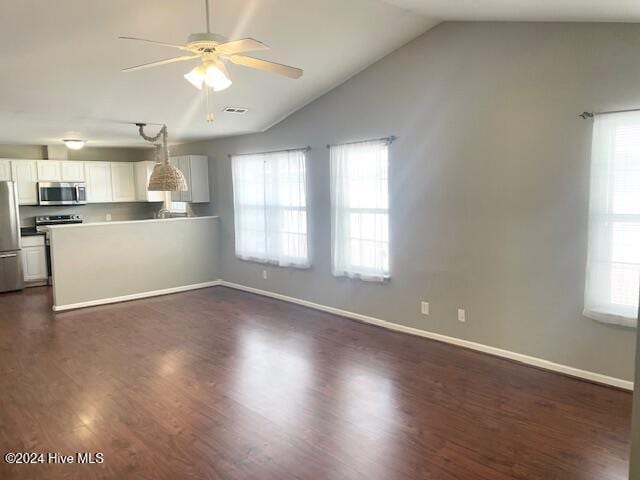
[270, 207]
[178, 207]
[360, 210]
[613, 265]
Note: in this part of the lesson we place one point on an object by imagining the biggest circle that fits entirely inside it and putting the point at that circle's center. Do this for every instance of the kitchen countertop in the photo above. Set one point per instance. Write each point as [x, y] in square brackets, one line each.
[29, 232]
[124, 222]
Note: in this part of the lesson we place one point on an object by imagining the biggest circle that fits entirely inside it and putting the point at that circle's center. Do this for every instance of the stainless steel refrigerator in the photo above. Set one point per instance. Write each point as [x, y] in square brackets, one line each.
[11, 277]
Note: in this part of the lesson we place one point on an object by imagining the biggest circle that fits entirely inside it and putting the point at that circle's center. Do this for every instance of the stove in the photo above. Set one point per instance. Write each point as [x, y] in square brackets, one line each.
[42, 222]
[46, 220]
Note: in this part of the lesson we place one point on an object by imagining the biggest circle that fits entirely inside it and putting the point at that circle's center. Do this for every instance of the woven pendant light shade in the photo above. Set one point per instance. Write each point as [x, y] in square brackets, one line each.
[167, 178]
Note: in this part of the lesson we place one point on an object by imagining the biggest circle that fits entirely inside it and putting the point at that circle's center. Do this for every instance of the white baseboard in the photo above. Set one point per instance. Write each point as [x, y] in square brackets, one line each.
[518, 357]
[135, 296]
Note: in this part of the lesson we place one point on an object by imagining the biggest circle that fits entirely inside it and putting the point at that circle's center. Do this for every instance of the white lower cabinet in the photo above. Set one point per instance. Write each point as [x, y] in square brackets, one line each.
[34, 259]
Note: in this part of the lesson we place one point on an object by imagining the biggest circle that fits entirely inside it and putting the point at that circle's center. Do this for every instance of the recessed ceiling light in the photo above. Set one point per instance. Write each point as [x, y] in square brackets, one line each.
[74, 143]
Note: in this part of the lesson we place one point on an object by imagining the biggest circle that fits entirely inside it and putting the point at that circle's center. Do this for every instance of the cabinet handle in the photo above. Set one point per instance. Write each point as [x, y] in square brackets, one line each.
[9, 255]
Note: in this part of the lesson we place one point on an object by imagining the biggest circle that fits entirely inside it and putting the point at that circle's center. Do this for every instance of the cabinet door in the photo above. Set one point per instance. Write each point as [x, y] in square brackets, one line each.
[143, 172]
[5, 170]
[98, 180]
[72, 171]
[177, 162]
[185, 168]
[25, 174]
[198, 179]
[124, 188]
[34, 264]
[49, 171]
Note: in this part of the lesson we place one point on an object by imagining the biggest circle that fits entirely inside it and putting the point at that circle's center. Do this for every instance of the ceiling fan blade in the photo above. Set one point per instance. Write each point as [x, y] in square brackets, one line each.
[161, 62]
[271, 67]
[165, 44]
[238, 46]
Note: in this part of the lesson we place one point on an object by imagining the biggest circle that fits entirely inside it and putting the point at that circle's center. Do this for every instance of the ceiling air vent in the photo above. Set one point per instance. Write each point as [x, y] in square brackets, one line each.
[238, 110]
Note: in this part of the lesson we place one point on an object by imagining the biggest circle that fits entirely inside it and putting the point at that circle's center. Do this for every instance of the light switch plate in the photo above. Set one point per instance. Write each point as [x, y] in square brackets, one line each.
[461, 315]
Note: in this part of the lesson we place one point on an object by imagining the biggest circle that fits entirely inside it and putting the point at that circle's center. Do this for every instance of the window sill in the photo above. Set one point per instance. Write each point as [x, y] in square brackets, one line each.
[611, 319]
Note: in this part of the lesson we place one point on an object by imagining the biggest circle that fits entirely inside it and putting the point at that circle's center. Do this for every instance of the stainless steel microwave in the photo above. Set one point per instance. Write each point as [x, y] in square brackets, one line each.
[57, 193]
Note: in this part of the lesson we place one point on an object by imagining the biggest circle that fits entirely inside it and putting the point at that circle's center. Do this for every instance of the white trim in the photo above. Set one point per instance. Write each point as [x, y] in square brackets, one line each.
[518, 357]
[136, 296]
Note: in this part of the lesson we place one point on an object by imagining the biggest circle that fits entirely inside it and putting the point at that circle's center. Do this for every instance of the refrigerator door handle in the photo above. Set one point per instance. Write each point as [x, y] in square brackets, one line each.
[9, 255]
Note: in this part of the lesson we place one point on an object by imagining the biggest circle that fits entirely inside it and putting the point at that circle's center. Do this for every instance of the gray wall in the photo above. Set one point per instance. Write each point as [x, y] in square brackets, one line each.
[489, 184]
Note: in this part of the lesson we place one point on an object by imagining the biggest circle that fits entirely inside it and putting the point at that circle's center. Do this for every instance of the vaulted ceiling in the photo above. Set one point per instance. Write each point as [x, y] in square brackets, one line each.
[62, 60]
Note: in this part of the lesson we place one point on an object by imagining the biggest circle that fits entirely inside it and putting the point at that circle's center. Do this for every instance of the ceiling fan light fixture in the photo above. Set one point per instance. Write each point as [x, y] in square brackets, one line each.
[216, 76]
[213, 73]
[74, 143]
[196, 76]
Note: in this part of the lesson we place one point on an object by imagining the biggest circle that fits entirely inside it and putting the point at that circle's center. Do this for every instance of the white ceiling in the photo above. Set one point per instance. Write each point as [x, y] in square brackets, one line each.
[61, 60]
[61, 63]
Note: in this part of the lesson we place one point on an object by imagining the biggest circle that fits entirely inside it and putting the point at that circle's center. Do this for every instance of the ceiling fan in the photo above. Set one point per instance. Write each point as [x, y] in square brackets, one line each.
[213, 50]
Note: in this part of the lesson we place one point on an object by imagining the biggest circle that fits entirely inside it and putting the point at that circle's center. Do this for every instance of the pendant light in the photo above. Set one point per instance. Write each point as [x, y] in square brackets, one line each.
[165, 177]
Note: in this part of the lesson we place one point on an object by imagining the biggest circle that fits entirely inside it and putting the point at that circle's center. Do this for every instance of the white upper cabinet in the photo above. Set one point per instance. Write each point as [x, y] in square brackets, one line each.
[5, 170]
[49, 171]
[142, 173]
[122, 181]
[98, 182]
[25, 174]
[196, 171]
[72, 171]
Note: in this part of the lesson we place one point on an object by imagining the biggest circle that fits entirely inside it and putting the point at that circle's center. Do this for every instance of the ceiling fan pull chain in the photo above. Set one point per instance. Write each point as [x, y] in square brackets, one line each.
[207, 93]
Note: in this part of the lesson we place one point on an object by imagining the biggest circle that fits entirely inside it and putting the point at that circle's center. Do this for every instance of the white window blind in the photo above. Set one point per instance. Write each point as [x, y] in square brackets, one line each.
[270, 207]
[360, 210]
[613, 265]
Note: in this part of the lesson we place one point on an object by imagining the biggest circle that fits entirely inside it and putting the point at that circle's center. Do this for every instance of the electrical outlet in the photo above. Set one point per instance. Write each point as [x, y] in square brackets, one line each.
[424, 308]
[264, 274]
[108, 217]
[461, 315]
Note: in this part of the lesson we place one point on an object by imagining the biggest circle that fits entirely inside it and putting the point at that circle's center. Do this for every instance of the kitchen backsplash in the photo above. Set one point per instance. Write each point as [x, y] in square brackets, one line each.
[96, 212]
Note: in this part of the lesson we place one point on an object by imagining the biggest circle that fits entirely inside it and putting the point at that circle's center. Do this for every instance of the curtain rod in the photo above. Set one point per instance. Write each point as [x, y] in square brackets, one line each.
[586, 115]
[304, 149]
[389, 139]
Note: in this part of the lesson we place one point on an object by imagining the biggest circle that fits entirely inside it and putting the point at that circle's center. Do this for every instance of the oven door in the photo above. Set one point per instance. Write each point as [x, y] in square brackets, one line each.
[54, 193]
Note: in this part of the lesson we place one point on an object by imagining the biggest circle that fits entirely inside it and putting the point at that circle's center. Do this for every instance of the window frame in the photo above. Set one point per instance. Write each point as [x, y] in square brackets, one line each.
[271, 211]
[340, 214]
[599, 301]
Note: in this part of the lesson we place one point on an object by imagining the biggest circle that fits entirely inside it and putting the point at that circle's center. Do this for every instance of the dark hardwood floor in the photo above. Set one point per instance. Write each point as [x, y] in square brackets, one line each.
[220, 384]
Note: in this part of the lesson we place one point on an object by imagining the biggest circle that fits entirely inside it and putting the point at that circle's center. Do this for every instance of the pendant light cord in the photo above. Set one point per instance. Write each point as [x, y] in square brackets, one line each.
[164, 133]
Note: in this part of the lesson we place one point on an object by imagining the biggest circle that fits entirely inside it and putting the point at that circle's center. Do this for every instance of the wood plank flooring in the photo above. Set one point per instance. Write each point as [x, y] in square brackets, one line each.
[221, 384]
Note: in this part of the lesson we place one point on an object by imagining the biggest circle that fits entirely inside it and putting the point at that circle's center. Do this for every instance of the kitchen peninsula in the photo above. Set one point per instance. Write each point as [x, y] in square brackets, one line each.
[108, 262]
